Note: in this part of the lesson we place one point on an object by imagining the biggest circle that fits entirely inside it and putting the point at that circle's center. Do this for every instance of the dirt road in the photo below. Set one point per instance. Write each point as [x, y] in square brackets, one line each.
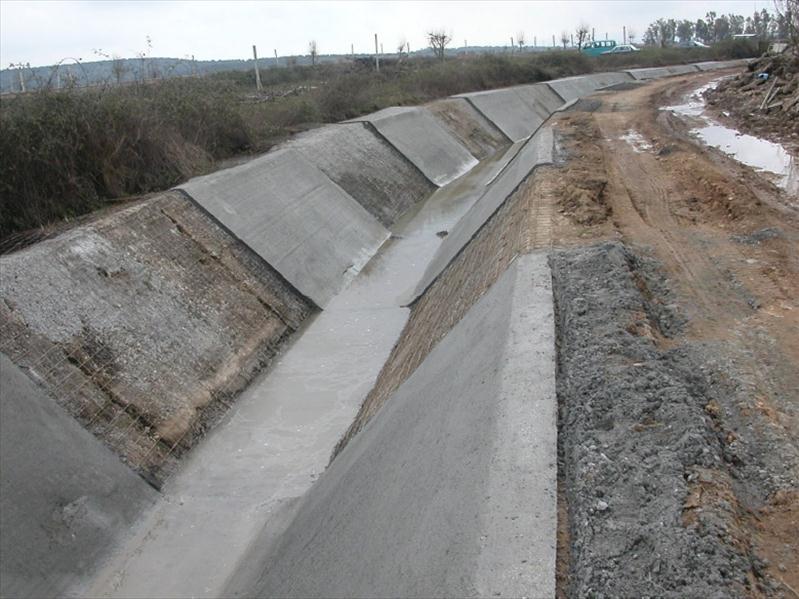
[728, 241]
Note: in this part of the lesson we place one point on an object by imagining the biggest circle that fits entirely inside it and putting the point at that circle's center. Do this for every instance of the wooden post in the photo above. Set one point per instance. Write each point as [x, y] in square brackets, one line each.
[624, 32]
[277, 62]
[377, 56]
[257, 74]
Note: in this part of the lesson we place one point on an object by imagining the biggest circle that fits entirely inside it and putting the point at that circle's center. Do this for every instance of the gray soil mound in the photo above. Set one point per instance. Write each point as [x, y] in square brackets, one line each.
[649, 481]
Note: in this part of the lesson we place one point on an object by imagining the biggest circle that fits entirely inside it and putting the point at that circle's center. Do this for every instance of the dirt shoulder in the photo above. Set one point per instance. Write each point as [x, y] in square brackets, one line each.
[703, 344]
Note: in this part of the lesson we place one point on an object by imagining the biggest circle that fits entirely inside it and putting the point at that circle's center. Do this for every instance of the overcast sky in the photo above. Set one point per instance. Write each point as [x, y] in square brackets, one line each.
[43, 32]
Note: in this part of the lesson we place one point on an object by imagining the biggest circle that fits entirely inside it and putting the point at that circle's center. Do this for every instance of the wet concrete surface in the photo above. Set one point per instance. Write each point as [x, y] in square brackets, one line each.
[761, 154]
[279, 435]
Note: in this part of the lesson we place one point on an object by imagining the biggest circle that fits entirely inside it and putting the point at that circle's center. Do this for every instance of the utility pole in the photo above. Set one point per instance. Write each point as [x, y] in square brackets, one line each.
[553, 40]
[512, 45]
[277, 62]
[606, 35]
[572, 35]
[624, 32]
[257, 74]
[535, 42]
[352, 50]
[592, 34]
[377, 56]
[381, 48]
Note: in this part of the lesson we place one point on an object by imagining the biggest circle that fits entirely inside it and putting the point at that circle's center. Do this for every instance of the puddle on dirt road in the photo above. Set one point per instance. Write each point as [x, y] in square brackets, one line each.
[636, 140]
[758, 153]
[278, 436]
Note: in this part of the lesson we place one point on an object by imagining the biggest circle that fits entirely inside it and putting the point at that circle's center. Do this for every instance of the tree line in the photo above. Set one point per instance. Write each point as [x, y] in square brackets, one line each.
[715, 28]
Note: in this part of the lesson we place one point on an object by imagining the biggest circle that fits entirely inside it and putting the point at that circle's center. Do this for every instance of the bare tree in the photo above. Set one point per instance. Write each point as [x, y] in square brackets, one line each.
[313, 51]
[520, 40]
[788, 11]
[564, 39]
[631, 35]
[401, 46]
[582, 32]
[438, 40]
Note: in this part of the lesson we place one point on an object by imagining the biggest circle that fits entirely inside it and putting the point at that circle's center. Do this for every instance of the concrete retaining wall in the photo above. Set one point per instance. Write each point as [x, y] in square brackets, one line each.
[537, 151]
[300, 222]
[451, 489]
[423, 141]
[573, 88]
[64, 497]
[364, 165]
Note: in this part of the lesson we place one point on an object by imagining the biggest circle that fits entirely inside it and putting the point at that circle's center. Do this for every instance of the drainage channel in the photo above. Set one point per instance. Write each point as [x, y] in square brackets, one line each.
[279, 435]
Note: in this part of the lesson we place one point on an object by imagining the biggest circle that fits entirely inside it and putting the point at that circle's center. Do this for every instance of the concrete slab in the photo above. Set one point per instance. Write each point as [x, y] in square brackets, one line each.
[64, 497]
[572, 88]
[421, 139]
[287, 211]
[659, 72]
[367, 167]
[513, 113]
[720, 64]
[450, 491]
[535, 152]
[466, 124]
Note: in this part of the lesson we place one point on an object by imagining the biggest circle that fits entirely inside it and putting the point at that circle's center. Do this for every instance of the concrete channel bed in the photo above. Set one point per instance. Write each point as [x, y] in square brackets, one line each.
[476, 420]
[241, 516]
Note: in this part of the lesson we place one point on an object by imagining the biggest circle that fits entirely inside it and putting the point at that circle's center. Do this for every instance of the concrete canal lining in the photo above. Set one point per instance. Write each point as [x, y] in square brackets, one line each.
[300, 222]
[64, 497]
[451, 489]
[535, 152]
[423, 141]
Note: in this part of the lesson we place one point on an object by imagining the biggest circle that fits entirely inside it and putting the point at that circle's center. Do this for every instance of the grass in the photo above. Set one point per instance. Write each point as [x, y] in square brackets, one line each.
[68, 152]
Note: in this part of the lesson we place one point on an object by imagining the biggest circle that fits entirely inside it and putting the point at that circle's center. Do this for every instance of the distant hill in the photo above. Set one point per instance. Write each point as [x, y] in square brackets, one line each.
[133, 69]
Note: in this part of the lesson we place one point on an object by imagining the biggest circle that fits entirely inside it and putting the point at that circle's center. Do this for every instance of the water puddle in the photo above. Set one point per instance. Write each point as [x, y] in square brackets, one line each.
[636, 141]
[761, 154]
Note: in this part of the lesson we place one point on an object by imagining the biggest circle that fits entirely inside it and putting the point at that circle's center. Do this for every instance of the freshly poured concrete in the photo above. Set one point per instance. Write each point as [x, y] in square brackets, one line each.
[421, 139]
[300, 222]
[280, 432]
[367, 167]
[535, 152]
[573, 88]
[64, 497]
[450, 491]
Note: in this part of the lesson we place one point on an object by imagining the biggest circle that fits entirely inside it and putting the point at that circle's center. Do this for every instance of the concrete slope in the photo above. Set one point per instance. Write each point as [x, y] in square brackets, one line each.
[64, 497]
[300, 222]
[368, 168]
[517, 113]
[659, 72]
[720, 64]
[573, 88]
[421, 139]
[450, 491]
[477, 134]
[537, 151]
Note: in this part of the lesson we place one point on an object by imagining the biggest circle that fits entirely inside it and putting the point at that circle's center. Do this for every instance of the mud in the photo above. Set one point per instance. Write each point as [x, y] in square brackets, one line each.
[638, 444]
